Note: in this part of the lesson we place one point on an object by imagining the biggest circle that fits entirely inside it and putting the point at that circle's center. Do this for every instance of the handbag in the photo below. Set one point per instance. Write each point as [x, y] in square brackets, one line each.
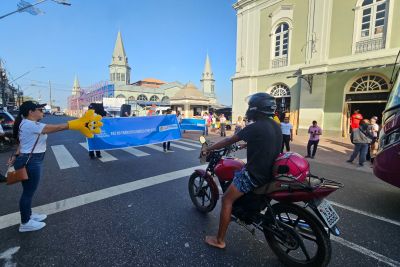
[16, 176]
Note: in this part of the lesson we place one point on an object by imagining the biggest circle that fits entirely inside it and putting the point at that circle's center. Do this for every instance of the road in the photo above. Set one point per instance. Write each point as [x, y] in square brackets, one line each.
[134, 210]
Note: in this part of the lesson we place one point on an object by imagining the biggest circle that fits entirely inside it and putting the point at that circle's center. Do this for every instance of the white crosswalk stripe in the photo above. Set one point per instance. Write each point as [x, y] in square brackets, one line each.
[135, 152]
[181, 147]
[158, 148]
[105, 157]
[190, 140]
[63, 157]
[187, 143]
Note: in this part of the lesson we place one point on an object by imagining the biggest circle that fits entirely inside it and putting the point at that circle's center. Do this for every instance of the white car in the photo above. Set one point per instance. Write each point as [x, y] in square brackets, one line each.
[58, 113]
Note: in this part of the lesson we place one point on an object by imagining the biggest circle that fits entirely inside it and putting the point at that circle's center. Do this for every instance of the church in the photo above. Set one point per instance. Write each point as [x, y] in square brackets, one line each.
[183, 98]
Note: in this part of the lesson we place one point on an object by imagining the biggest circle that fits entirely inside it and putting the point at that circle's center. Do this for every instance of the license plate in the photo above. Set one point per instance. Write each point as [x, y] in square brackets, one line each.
[327, 212]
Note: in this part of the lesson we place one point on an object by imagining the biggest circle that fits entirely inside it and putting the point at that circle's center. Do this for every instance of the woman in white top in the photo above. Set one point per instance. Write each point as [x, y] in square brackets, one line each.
[32, 136]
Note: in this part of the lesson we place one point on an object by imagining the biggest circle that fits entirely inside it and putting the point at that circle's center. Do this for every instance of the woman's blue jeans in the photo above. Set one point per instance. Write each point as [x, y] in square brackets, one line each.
[34, 170]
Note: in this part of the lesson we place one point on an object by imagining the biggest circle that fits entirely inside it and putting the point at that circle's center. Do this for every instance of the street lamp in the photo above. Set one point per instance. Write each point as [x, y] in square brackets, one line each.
[31, 9]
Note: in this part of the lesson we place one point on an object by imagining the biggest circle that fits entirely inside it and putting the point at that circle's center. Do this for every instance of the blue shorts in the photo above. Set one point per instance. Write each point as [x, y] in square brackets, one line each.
[243, 182]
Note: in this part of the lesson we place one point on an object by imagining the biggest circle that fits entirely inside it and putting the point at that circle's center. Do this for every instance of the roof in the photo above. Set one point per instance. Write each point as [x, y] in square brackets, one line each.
[152, 80]
[189, 92]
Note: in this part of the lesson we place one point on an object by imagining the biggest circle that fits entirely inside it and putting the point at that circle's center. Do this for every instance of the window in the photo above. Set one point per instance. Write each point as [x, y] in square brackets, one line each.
[131, 100]
[154, 98]
[142, 98]
[369, 83]
[371, 17]
[123, 77]
[280, 90]
[113, 77]
[121, 96]
[165, 99]
[118, 76]
[280, 39]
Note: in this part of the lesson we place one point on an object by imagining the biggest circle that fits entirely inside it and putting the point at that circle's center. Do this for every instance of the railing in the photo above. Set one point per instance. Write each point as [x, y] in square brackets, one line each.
[370, 45]
[280, 62]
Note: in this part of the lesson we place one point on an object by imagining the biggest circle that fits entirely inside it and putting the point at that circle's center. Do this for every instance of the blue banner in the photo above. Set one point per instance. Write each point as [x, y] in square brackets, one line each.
[193, 124]
[135, 131]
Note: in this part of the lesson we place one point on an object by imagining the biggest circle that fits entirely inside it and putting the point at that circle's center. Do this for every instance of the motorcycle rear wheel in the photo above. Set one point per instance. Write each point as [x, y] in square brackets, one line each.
[303, 233]
[205, 200]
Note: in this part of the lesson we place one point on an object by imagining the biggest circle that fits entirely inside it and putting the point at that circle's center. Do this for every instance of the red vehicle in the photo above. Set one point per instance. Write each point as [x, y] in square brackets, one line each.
[297, 233]
[387, 160]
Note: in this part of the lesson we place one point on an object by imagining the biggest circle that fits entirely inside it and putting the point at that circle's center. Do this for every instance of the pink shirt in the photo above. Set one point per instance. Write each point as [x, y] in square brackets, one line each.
[312, 130]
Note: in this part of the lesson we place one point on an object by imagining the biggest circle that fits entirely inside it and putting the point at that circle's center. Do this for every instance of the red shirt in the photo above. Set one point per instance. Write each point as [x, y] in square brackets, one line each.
[355, 120]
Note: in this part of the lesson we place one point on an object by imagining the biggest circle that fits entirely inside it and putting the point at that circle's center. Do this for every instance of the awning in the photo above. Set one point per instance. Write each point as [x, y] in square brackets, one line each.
[299, 74]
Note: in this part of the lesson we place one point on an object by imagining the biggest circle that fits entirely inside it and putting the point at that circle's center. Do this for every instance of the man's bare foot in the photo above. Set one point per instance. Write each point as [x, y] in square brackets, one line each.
[212, 241]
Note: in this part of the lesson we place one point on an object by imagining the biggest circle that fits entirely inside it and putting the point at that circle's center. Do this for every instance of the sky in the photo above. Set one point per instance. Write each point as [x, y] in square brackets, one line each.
[163, 39]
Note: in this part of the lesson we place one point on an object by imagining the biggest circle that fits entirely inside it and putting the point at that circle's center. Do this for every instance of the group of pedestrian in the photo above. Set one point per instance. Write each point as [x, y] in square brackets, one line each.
[364, 136]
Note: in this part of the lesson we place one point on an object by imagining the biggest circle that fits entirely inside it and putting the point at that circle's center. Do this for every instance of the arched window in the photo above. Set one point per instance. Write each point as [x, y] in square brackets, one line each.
[154, 98]
[371, 22]
[142, 98]
[369, 83]
[280, 90]
[165, 99]
[280, 39]
[121, 96]
[131, 100]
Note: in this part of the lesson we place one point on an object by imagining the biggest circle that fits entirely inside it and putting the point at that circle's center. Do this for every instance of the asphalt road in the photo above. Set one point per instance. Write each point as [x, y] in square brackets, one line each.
[136, 211]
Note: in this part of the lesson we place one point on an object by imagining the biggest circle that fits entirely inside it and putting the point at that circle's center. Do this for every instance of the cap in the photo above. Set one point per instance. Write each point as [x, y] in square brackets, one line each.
[28, 106]
[374, 118]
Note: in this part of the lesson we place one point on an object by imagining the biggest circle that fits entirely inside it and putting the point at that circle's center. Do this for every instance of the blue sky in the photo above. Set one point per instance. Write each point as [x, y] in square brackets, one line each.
[167, 40]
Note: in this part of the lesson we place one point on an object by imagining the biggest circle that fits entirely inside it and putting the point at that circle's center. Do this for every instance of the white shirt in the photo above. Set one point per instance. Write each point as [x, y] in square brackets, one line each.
[222, 120]
[286, 127]
[28, 133]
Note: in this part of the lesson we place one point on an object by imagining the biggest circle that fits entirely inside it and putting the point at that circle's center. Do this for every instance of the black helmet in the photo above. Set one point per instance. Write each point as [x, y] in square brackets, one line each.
[260, 103]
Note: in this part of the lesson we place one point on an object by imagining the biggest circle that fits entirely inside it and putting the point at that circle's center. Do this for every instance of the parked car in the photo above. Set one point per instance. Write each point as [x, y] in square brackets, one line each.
[8, 121]
[58, 113]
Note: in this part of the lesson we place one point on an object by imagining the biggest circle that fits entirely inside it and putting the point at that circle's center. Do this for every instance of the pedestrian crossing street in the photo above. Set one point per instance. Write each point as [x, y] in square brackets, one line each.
[65, 159]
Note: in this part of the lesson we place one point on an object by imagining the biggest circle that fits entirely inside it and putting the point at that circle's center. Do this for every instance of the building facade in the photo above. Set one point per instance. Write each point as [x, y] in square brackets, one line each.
[144, 92]
[320, 59]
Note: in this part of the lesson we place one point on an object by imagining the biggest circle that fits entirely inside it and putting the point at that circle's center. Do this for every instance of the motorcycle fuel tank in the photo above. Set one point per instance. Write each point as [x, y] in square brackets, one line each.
[227, 167]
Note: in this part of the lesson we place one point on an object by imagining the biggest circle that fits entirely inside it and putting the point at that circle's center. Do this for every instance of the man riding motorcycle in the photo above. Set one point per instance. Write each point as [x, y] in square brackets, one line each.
[263, 139]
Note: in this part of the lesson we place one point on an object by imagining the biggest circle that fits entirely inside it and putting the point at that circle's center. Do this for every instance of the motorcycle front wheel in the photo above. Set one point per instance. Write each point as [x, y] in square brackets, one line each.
[300, 239]
[201, 194]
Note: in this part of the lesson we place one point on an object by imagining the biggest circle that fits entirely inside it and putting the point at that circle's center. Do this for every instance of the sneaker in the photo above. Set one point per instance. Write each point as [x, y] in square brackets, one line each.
[361, 164]
[349, 161]
[38, 217]
[312, 157]
[99, 156]
[170, 150]
[30, 226]
[307, 156]
[165, 150]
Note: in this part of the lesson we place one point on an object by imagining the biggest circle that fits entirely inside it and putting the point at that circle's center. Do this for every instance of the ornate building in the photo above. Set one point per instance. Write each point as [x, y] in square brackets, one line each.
[321, 59]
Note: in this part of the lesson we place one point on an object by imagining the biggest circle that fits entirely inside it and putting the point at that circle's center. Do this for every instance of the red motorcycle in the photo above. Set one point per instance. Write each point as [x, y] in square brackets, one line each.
[299, 234]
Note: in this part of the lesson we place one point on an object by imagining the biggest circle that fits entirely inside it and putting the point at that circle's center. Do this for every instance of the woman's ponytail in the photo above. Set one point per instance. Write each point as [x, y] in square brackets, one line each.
[17, 123]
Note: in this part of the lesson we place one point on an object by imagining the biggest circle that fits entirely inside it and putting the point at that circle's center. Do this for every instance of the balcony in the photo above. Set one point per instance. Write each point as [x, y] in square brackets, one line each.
[280, 62]
[370, 45]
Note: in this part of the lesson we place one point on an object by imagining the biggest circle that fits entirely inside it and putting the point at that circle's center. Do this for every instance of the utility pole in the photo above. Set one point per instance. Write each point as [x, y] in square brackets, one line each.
[3, 79]
[51, 103]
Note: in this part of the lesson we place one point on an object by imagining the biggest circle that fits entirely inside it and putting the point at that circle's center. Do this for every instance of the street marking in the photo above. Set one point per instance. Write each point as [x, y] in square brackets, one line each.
[366, 251]
[191, 140]
[7, 256]
[135, 152]
[63, 157]
[158, 148]
[77, 201]
[105, 157]
[187, 143]
[365, 213]
[182, 147]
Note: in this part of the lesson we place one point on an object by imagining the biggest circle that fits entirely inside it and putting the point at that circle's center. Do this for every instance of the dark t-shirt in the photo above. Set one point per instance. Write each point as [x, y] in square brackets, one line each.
[264, 141]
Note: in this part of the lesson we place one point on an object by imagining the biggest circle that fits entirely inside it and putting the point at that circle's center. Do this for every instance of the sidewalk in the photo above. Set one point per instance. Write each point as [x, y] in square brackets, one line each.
[331, 151]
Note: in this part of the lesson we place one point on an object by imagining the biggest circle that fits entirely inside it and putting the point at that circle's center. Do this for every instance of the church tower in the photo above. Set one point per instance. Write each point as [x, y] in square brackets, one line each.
[76, 89]
[207, 81]
[120, 72]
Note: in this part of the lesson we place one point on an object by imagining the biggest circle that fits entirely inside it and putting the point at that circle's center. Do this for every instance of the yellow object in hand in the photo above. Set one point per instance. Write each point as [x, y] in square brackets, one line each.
[89, 124]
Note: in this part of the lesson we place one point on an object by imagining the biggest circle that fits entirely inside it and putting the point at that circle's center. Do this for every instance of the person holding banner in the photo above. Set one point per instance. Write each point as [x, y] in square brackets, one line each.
[167, 145]
[222, 121]
[99, 110]
[32, 135]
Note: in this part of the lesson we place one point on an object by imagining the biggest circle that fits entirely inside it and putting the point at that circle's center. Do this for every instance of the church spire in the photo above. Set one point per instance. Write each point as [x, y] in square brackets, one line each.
[207, 81]
[119, 56]
[76, 88]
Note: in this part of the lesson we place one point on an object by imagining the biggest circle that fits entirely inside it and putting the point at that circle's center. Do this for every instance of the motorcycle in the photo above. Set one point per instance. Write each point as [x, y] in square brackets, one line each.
[299, 234]
[7, 142]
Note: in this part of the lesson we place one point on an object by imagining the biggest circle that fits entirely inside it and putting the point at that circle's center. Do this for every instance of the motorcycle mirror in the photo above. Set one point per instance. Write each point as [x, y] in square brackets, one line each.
[202, 140]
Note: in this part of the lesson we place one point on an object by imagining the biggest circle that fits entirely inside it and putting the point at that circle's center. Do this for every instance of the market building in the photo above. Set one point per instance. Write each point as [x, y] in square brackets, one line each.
[145, 92]
[320, 59]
